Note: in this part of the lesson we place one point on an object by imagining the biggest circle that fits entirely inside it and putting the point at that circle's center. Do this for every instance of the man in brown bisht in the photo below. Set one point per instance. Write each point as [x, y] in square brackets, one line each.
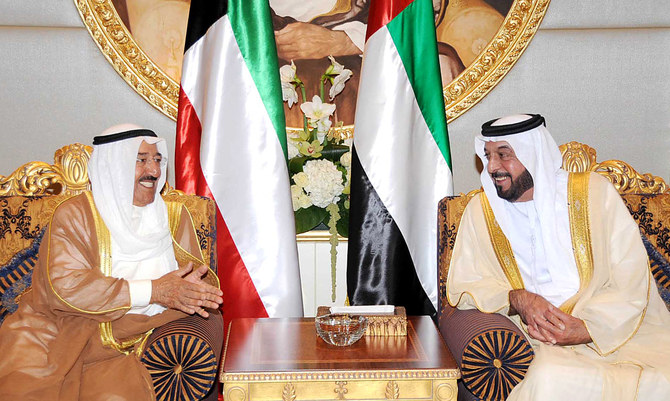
[108, 272]
[559, 254]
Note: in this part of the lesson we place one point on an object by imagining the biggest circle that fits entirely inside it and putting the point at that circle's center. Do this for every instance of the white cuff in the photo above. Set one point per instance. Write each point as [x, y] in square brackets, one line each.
[140, 292]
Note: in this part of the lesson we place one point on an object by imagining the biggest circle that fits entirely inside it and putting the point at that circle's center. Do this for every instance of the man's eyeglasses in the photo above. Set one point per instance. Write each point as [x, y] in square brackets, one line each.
[143, 161]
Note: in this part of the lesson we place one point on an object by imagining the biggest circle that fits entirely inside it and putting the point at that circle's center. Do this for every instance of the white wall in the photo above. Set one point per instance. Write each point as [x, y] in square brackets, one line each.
[56, 87]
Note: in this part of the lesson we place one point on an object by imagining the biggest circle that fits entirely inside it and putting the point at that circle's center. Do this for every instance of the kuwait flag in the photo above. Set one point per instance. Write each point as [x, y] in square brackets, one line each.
[231, 146]
[401, 165]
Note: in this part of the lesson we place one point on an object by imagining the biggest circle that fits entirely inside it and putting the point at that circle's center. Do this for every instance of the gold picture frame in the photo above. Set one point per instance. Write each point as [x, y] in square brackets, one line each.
[481, 75]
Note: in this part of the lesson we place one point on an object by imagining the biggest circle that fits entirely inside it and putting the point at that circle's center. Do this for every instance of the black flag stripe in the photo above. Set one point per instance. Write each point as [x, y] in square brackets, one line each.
[202, 15]
[380, 270]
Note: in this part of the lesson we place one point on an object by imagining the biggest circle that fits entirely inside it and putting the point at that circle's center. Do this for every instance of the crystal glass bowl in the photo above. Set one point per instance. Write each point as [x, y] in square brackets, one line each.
[341, 330]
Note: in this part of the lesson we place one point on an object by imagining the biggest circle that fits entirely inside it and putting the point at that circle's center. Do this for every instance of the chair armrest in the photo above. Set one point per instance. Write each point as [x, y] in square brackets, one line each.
[491, 350]
[182, 357]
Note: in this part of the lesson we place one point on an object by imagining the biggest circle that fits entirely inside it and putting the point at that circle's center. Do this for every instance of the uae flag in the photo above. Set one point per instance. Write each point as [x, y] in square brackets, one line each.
[231, 146]
[401, 164]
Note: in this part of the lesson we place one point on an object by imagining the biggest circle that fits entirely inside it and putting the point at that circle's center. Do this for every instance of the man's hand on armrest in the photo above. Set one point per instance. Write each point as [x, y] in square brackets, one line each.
[184, 290]
[575, 330]
[546, 322]
[537, 313]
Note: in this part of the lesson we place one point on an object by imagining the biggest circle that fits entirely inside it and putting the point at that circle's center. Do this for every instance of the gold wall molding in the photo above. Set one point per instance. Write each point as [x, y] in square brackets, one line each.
[318, 236]
[128, 59]
[156, 87]
[495, 61]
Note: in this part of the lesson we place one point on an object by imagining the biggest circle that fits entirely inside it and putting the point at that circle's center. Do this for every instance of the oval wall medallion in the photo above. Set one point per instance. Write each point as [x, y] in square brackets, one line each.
[479, 42]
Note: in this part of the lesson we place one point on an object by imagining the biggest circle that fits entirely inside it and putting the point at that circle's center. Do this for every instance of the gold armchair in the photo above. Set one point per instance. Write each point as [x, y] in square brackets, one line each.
[492, 352]
[182, 356]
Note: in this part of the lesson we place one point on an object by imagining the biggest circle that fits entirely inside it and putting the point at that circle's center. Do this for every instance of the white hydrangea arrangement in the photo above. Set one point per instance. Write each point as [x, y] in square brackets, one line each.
[319, 159]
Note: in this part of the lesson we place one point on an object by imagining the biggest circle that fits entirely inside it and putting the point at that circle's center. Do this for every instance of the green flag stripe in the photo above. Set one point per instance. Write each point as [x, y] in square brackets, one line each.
[413, 33]
[252, 25]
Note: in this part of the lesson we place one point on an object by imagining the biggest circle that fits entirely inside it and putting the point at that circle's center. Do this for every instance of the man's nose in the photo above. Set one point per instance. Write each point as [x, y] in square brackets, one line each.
[493, 165]
[153, 167]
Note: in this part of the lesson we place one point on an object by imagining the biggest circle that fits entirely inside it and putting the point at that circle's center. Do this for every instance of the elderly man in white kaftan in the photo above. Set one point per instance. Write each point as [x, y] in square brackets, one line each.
[561, 256]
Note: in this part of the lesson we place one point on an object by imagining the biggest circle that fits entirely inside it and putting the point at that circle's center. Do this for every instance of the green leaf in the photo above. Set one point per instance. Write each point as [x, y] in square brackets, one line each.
[307, 219]
[296, 164]
[333, 152]
[343, 223]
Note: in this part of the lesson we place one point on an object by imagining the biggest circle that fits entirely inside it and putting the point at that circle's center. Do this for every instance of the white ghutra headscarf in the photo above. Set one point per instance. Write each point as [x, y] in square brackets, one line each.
[537, 151]
[141, 240]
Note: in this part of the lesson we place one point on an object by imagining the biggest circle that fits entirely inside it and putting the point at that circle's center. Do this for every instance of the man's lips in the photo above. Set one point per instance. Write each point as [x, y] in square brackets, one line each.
[500, 177]
[148, 182]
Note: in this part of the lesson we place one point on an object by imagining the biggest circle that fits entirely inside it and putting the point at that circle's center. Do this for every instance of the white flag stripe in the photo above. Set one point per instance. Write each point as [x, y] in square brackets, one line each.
[242, 163]
[399, 154]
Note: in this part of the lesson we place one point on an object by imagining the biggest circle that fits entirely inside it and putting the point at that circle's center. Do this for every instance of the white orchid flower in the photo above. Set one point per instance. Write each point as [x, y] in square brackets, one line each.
[337, 68]
[287, 73]
[338, 83]
[322, 128]
[289, 94]
[316, 110]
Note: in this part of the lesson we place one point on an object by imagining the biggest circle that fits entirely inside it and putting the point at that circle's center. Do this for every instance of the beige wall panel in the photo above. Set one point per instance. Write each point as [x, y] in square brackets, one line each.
[57, 89]
[606, 88]
[61, 13]
[607, 14]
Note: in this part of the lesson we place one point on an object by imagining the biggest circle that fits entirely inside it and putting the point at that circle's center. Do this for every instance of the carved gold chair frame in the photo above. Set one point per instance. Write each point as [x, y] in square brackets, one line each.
[161, 91]
[69, 173]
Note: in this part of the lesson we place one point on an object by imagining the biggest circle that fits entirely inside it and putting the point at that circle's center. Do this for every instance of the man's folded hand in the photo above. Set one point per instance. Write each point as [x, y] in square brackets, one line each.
[184, 290]
[546, 322]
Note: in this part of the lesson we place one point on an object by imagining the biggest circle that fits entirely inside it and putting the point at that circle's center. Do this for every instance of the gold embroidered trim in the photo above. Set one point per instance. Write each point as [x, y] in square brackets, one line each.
[104, 238]
[181, 254]
[105, 250]
[501, 246]
[580, 232]
[340, 7]
[479, 308]
[49, 275]
[174, 213]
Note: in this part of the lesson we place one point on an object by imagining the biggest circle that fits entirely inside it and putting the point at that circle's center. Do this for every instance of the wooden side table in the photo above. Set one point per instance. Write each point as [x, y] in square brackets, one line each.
[285, 360]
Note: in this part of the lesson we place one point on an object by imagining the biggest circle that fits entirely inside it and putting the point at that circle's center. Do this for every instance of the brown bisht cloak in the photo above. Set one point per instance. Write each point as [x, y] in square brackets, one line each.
[52, 347]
